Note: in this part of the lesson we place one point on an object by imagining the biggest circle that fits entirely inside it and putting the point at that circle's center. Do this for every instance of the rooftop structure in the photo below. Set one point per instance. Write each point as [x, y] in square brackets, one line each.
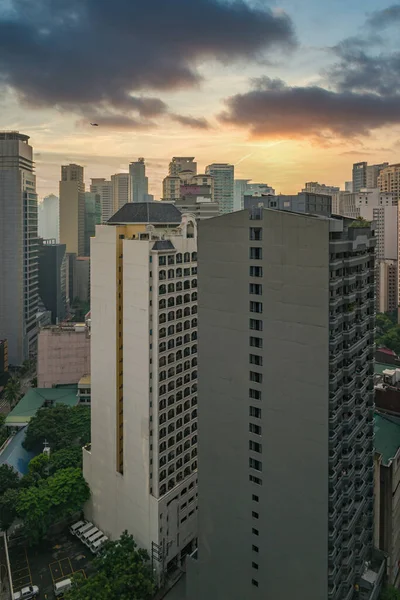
[36, 398]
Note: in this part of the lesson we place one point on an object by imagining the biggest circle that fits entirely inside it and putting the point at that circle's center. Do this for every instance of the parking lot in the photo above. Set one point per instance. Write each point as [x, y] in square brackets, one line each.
[49, 563]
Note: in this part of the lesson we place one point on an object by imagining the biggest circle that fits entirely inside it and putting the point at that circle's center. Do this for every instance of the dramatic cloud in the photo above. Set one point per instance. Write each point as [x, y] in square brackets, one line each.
[195, 123]
[273, 109]
[384, 18]
[80, 54]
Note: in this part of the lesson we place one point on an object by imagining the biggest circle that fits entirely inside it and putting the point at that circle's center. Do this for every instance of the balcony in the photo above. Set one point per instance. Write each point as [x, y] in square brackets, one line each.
[349, 387]
[336, 264]
[335, 302]
[348, 334]
[348, 457]
[362, 275]
[335, 321]
[349, 279]
[349, 297]
[350, 368]
[334, 340]
[349, 402]
[335, 282]
[335, 397]
[362, 293]
[349, 316]
[355, 260]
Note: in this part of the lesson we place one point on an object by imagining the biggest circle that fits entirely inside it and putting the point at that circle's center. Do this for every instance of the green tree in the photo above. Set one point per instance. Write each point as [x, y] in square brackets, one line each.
[12, 391]
[52, 500]
[62, 426]
[3, 429]
[8, 508]
[8, 479]
[390, 593]
[65, 458]
[39, 466]
[122, 571]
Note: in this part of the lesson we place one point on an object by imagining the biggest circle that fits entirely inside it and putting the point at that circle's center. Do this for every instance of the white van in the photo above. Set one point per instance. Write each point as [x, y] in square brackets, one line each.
[99, 534]
[95, 546]
[88, 534]
[83, 529]
[74, 528]
[62, 586]
[28, 592]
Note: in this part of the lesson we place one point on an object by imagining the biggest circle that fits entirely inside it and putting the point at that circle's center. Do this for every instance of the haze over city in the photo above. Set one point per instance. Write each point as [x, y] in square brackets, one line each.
[286, 91]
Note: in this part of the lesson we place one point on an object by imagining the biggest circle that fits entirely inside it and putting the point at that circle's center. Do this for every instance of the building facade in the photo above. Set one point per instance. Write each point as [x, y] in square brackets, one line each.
[139, 183]
[387, 291]
[286, 353]
[320, 188]
[49, 218]
[359, 176]
[53, 278]
[142, 464]
[72, 209]
[171, 188]
[201, 207]
[18, 247]
[121, 190]
[92, 217]
[104, 189]
[223, 175]
[373, 172]
[181, 164]
[389, 181]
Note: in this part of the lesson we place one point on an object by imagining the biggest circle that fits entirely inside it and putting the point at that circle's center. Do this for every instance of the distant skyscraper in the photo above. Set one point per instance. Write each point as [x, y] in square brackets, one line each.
[365, 176]
[105, 190]
[92, 217]
[121, 190]
[52, 278]
[181, 164]
[72, 209]
[49, 218]
[223, 175]
[139, 183]
[388, 180]
[373, 174]
[320, 188]
[18, 247]
[348, 186]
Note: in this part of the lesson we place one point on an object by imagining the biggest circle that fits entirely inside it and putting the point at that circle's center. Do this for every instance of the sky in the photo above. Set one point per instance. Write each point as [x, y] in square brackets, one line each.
[288, 91]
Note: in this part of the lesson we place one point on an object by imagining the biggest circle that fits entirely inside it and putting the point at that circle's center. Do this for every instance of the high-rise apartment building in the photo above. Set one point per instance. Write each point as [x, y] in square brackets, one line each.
[121, 190]
[171, 188]
[49, 218]
[142, 463]
[387, 286]
[92, 217]
[53, 278]
[366, 176]
[183, 167]
[286, 397]
[373, 172]
[223, 175]
[104, 189]
[18, 246]
[389, 181]
[72, 209]
[139, 183]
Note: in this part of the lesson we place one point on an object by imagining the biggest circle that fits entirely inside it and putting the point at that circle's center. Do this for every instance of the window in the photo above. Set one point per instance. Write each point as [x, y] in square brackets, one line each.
[256, 342]
[178, 258]
[255, 288]
[255, 464]
[255, 548]
[257, 377]
[255, 412]
[255, 253]
[254, 565]
[256, 233]
[256, 324]
[255, 480]
[256, 272]
[255, 446]
[254, 394]
[171, 260]
[256, 360]
[255, 428]
[255, 531]
[255, 498]
[255, 515]
[254, 582]
[162, 260]
[255, 307]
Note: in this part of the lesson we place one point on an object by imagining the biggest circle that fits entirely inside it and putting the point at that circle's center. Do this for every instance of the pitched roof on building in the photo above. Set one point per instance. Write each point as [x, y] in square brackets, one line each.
[163, 245]
[147, 212]
[387, 436]
[35, 398]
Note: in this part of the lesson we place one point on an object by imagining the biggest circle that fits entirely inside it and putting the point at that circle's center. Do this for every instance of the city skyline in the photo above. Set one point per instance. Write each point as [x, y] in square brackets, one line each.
[199, 105]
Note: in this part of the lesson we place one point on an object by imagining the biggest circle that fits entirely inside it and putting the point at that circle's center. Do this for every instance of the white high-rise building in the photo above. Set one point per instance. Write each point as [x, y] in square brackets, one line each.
[105, 190]
[142, 462]
[18, 247]
[121, 190]
[49, 218]
[139, 183]
[223, 175]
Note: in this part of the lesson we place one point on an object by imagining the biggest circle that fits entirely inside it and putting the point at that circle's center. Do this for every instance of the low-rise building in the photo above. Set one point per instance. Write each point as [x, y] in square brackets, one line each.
[84, 390]
[63, 354]
[36, 398]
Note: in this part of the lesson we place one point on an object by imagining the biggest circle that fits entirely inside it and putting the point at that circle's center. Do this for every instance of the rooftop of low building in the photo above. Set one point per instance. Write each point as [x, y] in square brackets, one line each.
[147, 212]
[36, 398]
[387, 436]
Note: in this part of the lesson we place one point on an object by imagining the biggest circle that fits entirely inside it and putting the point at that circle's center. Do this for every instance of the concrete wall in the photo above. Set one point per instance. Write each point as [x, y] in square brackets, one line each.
[293, 497]
[63, 356]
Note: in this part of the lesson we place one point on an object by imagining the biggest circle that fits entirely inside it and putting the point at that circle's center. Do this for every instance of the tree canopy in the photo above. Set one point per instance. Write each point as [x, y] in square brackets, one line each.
[390, 593]
[12, 391]
[8, 508]
[388, 332]
[62, 426]
[8, 478]
[123, 571]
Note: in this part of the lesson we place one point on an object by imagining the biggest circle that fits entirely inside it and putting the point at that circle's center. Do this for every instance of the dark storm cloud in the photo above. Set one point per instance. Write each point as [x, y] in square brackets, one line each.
[384, 18]
[194, 122]
[277, 110]
[85, 53]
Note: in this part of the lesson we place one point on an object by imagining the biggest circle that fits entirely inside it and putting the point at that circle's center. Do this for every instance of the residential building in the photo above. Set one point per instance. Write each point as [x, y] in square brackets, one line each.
[3, 357]
[171, 188]
[389, 181]
[18, 247]
[387, 292]
[201, 179]
[63, 354]
[223, 175]
[359, 176]
[49, 218]
[53, 278]
[387, 493]
[142, 464]
[320, 188]
[303, 202]
[92, 217]
[82, 266]
[373, 172]
[202, 207]
[348, 186]
[181, 164]
[72, 209]
[121, 190]
[104, 189]
[139, 183]
[84, 390]
[286, 356]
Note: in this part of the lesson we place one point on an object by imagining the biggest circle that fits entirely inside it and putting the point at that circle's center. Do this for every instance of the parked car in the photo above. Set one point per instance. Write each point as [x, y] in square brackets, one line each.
[62, 586]
[28, 592]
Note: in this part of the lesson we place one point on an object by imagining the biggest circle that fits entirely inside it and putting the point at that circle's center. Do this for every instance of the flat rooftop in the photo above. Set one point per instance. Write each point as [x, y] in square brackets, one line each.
[387, 436]
[35, 398]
